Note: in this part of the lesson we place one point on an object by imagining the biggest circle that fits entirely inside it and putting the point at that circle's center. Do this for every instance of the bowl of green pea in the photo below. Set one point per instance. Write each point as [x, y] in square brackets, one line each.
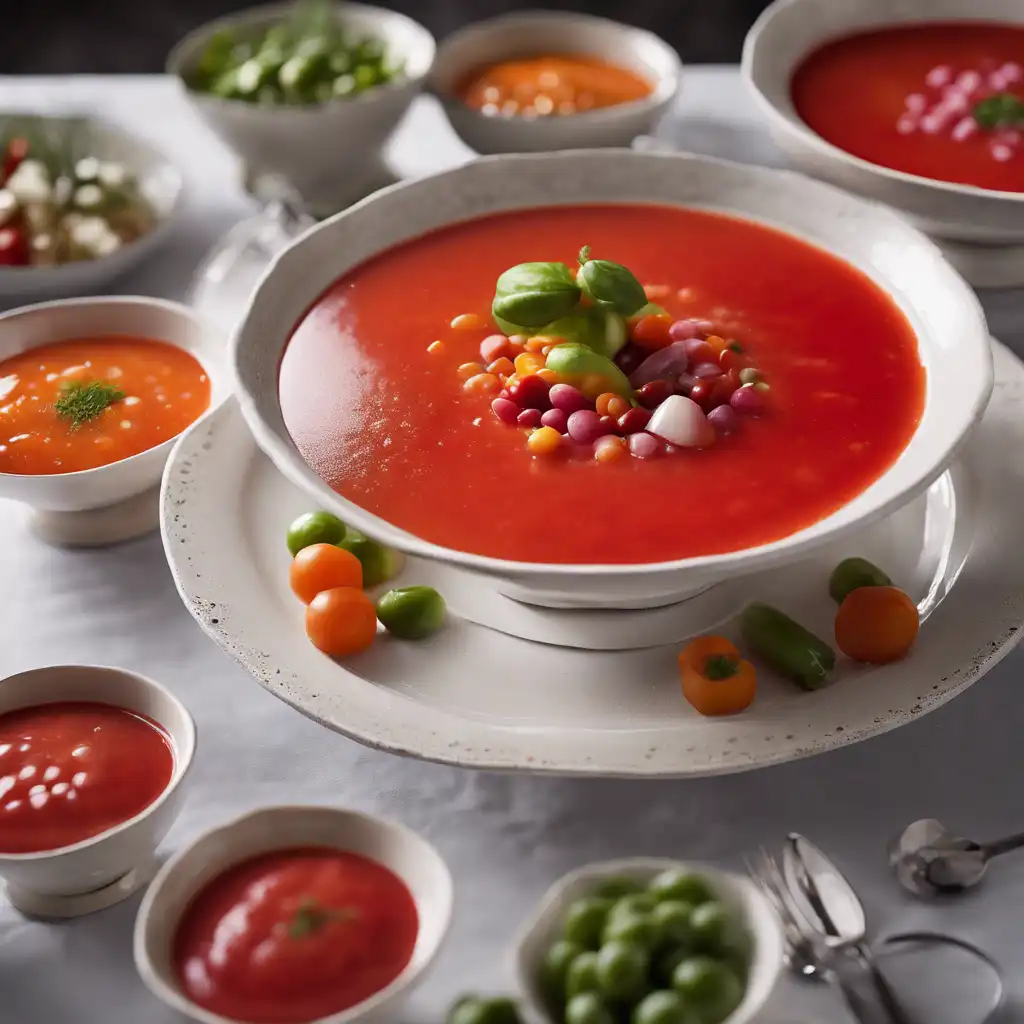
[649, 941]
[307, 91]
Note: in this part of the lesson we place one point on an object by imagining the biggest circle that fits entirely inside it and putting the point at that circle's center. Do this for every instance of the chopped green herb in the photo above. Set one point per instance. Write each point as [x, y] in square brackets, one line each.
[721, 666]
[311, 917]
[1002, 110]
[735, 346]
[81, 402]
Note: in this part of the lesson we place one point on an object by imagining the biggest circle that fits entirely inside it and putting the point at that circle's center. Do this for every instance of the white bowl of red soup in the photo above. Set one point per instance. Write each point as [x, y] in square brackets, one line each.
[92, 762]
[918, 105]
[546, 80]
[93, 393]
[360, 369]
[291, 915]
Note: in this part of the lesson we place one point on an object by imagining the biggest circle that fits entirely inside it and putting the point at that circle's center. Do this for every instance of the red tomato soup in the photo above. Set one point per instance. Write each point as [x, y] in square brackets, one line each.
[69, 771]
[943, 101]
[81, 404]
[295, 935]
[388, 424]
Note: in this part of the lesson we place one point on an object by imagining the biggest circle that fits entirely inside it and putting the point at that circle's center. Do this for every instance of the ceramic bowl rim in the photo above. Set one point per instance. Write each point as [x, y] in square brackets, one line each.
[173, 997]
[665, 86]
[289, 462]
[183, 757]
[168, 306]
[796, 126]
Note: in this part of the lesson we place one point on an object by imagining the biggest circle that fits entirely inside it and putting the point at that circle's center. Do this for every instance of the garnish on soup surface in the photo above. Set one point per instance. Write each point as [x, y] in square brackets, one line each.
[390, 426]
[555, 84]
[295, 935]
[77, 405]
[940, 100]
[70, 771]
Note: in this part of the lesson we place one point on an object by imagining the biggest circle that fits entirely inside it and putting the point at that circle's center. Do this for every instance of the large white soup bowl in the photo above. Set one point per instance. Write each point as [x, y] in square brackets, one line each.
[950, 326]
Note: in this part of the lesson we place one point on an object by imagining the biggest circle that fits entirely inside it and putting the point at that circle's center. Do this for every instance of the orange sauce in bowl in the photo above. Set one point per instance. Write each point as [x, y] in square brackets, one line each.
[552, 84]
[162, 390]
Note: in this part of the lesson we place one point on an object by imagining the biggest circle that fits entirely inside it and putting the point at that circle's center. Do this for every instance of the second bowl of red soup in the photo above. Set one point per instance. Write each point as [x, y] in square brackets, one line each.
[610, 395]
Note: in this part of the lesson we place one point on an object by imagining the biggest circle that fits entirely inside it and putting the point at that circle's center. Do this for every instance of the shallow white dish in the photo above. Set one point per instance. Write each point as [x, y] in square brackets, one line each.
[529, 33]
[161, 184]
[945, 313]
[475, 697]
[408, 855]
[788, 30]
[59, 499]
[108, 867]
[737, 892]
[329, 152]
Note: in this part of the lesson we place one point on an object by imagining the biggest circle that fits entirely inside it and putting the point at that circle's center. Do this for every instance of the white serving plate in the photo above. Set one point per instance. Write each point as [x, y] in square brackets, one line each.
[478, 698]
[944, 312]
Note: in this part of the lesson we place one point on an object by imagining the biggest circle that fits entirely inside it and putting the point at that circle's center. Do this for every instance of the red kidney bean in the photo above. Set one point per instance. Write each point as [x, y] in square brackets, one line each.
[724, 419]
[555, 418]
[699, 351]
[610, 424]
[748, 400]
[683, 330]
[531, 392]
[634, 421]
[630, 357]
[701, 393]
[730, 360]
[651, 395]
[568, 399]
[529, 418]
[507, 411]
[707, 371]
[723, 388]
[585, 426]
[644, 446]
[684, 383]
[503, 393]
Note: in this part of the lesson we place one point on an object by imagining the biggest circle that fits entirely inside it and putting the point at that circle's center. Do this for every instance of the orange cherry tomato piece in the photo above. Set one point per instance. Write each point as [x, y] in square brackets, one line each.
[876, 625]
[341, 621]
[652, 331]
[716, 680]
[322, 567]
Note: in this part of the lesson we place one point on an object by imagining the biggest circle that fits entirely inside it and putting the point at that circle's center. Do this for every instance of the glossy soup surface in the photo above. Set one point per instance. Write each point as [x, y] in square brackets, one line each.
[388, 425]
[165, 389]
[552, 84]
[69, 771]
[295, 935]
[904, 97]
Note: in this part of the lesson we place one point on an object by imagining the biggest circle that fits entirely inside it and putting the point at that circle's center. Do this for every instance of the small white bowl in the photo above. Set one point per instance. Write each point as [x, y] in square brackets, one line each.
[161, 184]
[108, 867]
[330, 153]
[137, 316]
[396, 847]
[529, 33]
[789, 30]
[736, 891]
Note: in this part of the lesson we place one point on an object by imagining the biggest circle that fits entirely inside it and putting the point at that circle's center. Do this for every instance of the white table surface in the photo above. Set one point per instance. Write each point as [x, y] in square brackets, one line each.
[506, 838]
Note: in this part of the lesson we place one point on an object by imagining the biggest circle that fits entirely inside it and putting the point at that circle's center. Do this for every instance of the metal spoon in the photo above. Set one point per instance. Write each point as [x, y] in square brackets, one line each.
[929, 860]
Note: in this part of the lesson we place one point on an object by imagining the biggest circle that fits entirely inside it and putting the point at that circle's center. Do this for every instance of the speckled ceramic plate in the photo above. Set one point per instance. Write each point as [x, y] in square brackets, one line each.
[481, 698]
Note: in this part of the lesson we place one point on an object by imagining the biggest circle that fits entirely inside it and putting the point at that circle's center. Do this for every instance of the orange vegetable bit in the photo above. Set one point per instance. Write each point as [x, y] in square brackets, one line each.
[601, 404]
[544, 441]
[651, 332]
[482, 382]
[341, 621]
[609, 449]
[468, 322]
[549, 375]
[322, 567]
[716, 680]
[877, 625]
[467, 370]
[527, 363]
[618, 406]
[436, 348]
[502, 367]
[495, 346]
[517, 342]
[539, 343]
[717, 343]
[657, 292]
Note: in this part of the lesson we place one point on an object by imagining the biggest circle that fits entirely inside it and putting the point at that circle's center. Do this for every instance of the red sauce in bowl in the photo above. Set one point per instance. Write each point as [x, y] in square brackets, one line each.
[903, 97]
[389, 425]
[295, 935]
[69, 771]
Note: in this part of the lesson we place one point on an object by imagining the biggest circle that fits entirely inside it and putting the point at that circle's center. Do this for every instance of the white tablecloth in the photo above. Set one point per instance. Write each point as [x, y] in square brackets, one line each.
[506, 838]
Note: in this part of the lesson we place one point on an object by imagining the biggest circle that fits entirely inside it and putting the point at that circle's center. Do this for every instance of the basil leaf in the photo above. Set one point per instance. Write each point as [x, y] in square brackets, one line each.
[533, 294]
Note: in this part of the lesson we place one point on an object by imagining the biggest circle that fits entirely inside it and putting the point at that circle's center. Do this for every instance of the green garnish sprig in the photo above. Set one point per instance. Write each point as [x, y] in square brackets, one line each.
[311, 916]
[80, 402]
[1002, 110]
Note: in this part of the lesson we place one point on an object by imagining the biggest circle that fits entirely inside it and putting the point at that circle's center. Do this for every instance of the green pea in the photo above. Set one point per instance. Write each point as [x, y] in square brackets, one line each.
[852, 574]
[748, 375]
[634, 903]
[411, 613]
[709, 986]
[555, 967]
[684, 886]
[585, 921]
[475, 1010]
[617, 886]
[634, 929]
[622, 971]
[314, 528]
[711, 925]
[367, 76]
[534, 294]
[582, 975]
[588, 1008]
[672, 923]
[610, 285]
[666, 964]
[663, 1007]
[379, 563]
[788, 648]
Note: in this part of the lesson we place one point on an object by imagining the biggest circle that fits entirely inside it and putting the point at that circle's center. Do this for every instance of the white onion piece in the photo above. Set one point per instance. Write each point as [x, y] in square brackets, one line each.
[665, 364]
[682, 422]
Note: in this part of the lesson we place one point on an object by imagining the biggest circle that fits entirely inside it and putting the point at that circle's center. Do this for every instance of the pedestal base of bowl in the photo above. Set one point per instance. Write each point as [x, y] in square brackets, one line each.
[99, 527]
[986, 266]
[48, 907]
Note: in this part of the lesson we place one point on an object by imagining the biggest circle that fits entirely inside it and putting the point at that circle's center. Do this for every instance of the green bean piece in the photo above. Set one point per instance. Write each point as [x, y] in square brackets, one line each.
[786, 647]
[534, 294]
[852, 574]
[610, 285]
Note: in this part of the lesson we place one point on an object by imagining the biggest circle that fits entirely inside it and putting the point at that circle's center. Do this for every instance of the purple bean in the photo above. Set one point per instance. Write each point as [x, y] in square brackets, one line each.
[630, 357]
[748, 400]
[681, 330]
[644, 446]
[684, 384]
[555, 418]
[724, 419]
[529, 418]
[567, 398]
[585, 426]
[506, 410]
[664, 364]
[707, 371]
